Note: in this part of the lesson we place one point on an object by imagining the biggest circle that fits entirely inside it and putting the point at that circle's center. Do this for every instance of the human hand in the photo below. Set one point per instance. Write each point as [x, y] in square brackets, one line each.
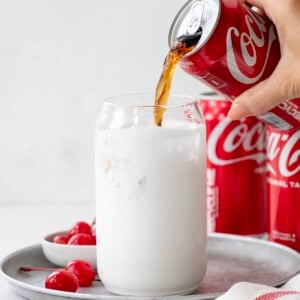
[284, 82]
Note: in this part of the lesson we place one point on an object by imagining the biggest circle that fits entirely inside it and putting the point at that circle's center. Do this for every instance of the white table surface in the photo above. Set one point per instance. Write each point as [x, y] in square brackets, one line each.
[23, 225]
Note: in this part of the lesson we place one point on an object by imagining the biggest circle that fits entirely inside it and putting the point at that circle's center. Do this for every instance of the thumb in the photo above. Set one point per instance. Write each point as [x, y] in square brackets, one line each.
[262, 97]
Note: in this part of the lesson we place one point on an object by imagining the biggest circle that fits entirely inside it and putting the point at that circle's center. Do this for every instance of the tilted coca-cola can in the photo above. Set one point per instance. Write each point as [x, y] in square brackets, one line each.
[236, 170]
[283, 153]
[235, 49]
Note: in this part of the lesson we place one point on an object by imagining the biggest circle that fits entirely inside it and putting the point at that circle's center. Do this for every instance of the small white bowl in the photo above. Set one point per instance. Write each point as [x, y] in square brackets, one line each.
[61, 254]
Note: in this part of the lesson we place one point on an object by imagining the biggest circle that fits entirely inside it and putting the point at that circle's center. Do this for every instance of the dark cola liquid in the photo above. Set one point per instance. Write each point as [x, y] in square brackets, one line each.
[184, 45]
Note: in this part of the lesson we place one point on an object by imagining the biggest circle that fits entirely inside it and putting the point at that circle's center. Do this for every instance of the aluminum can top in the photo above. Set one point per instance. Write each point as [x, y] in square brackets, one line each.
[195, 14]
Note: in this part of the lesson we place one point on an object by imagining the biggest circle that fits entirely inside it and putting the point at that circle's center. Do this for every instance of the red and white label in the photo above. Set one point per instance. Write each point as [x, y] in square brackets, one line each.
[253, 42]
[283, 153]
[283, 164]
[236, 171]
[228, 139]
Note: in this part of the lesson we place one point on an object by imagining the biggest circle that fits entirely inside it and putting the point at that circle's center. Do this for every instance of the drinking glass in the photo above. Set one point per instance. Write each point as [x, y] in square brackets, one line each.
[150, 196]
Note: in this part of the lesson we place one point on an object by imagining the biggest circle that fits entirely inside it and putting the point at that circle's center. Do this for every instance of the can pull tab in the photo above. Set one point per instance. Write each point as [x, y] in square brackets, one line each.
[194, 29]
[195, 16]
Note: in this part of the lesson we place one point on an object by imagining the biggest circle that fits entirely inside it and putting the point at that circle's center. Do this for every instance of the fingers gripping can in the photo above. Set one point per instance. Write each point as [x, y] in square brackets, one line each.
[237, 49]
[236, 170]
[284, 186]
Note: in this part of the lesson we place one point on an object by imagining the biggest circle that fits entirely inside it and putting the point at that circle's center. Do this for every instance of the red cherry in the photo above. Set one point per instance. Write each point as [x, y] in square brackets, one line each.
[82, 239]
[60, 239]
[62, 280]
[80, 227]
[83, 270]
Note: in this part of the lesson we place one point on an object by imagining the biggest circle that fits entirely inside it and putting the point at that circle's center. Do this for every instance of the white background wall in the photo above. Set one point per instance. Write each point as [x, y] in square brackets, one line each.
[58, 60]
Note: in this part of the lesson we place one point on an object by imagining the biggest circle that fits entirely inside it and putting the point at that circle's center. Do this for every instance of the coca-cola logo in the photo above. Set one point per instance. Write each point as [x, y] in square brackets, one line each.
[231, 142]
[291, 109]
[250, 42]
[284, 153]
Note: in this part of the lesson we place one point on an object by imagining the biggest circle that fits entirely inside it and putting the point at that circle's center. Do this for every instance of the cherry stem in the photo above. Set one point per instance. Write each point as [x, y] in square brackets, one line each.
[29, 269]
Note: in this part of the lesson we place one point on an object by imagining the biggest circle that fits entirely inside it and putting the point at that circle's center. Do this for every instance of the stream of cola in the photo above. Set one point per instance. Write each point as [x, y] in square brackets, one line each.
[184, 45]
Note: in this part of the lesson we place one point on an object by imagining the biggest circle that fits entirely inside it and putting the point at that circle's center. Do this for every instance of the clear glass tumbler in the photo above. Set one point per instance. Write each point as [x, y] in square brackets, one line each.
[150, 196]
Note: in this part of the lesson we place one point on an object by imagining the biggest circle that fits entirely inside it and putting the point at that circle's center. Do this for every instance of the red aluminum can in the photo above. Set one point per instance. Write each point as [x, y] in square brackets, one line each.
[236, 170]
[237, 49]
[283, 153]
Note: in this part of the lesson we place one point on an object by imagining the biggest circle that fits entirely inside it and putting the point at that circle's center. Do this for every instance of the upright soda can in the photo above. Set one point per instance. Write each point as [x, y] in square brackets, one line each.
[236, 170]
[235, 49]
[284, 186]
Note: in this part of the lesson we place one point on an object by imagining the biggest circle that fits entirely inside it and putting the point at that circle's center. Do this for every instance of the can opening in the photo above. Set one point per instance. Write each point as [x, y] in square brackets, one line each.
[191, 39]
[195, 23]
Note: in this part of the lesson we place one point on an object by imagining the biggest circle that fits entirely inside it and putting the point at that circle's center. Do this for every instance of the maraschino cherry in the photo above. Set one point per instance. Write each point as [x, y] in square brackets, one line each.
[80, 227]
[83, 270]
[82, 239]
[81, 233]
[63, 279]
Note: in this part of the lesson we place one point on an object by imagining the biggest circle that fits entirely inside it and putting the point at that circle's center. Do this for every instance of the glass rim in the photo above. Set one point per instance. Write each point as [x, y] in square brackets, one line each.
[189, 100]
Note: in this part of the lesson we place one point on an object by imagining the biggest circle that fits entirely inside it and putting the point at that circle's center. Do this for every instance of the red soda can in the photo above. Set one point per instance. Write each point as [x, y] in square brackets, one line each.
[235, 49]
[236, 170]
[283, 153]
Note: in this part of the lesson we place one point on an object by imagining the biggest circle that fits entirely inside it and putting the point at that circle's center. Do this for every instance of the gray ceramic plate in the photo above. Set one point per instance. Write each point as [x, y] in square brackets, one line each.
[230, 259]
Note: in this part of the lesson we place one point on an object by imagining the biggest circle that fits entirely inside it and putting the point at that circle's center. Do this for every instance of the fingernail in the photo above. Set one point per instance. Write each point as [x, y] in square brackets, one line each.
[238, 111]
